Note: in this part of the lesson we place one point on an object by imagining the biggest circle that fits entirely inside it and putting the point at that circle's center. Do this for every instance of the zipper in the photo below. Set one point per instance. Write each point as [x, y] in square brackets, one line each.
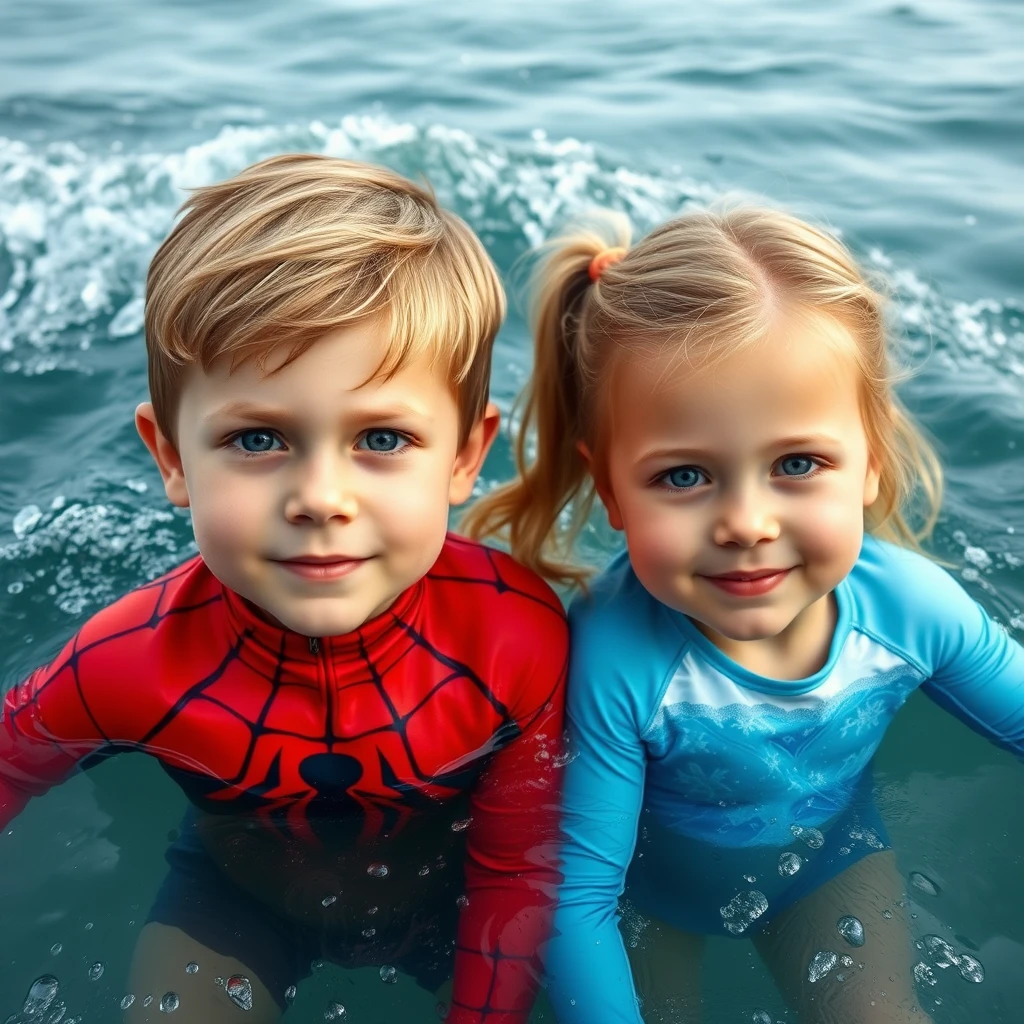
[314, 645]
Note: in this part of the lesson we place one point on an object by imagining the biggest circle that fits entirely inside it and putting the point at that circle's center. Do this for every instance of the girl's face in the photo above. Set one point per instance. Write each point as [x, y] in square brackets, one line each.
[741, 487]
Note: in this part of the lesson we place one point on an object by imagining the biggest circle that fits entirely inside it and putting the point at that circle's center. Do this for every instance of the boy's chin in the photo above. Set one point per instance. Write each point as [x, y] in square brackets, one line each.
[318, 622]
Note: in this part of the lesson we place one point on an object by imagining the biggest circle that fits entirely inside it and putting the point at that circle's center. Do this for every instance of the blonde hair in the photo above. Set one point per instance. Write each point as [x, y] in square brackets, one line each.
[703, 285]
[299, 245]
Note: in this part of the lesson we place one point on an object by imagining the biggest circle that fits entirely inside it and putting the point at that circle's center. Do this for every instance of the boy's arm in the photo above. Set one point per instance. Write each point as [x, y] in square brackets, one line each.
[512, 857]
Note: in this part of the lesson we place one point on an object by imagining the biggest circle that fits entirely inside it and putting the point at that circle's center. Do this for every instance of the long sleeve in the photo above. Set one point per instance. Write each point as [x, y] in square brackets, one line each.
[512, 857]
[589, 978]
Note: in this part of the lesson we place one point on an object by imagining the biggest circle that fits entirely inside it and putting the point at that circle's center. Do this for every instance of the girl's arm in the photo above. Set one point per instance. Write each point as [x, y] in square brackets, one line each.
[589, 976]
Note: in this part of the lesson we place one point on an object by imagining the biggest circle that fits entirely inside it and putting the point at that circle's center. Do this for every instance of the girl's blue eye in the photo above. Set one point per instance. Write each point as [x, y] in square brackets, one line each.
[258, 441]
[796, 465]
[382, 441]
[684, 477]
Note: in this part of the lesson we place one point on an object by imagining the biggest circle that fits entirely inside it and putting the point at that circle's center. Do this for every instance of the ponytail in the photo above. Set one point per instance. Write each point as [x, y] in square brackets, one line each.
[526, 512]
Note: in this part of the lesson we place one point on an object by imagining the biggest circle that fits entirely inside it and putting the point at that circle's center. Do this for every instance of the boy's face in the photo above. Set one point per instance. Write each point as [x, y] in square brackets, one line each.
[318, 493]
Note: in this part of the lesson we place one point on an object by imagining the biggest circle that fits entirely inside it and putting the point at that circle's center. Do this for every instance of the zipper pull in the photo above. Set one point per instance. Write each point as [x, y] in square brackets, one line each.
[314, 645]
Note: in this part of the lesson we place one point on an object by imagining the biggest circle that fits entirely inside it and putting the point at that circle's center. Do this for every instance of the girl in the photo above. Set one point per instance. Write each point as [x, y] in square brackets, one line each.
[724, 386]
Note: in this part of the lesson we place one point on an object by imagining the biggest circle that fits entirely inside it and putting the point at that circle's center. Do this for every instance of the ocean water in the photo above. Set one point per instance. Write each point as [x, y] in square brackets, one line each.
[901, 125]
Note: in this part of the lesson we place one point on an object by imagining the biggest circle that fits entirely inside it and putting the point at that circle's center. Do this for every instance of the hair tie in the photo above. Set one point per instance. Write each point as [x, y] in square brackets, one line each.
[603, 260]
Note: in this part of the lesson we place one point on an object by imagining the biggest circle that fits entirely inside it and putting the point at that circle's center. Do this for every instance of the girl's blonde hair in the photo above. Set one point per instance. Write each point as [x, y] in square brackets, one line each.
[703, 285]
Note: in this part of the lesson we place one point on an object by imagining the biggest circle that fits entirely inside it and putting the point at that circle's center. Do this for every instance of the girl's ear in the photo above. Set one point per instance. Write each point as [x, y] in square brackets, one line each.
[601, 485]
[165, 455]
[871, 480]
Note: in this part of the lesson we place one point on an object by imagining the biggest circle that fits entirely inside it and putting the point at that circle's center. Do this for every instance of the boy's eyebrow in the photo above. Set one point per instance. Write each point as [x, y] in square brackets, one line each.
[704, 454]
[247, 410]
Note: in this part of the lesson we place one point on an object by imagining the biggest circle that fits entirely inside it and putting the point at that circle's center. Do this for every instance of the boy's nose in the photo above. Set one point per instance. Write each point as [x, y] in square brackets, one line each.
[323, 490]
[745, 519]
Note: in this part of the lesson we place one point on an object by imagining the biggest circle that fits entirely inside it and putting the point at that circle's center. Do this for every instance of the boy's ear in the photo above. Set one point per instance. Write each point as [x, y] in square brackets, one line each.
[165, 455]
[470, 459]
[604, 492]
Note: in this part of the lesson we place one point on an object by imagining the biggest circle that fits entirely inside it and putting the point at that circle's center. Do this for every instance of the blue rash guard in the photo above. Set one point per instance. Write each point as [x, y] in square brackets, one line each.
[726, 775]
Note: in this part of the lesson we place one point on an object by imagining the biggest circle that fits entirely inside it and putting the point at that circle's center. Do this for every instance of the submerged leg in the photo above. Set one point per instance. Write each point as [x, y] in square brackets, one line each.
[162, 954]
[879, 987]
[666, 972]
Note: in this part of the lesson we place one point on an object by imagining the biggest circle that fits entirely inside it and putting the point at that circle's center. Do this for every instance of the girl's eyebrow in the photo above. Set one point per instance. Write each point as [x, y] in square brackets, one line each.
[781, 444]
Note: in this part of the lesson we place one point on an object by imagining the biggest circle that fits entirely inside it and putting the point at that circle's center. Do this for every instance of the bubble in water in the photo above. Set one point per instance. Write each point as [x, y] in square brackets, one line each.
[811, 836]
[89, 926]
[820, 965]
[147, 1000]
[328, 900]
[923, 883]
[239, 990]
[372, 910]
[25, 520]
[290, 993]
[750, 879]
[941, 952]
[887, 914]
[846, 961]
[127, 1001]
[462, 902]
[335, 1011]
[388, 975]
[971, 969]
[761, 1017]
[851, 929]
[192, 968]
[377, 870]
[368, 933]
[462, 824]
[742, 910]
[790, 863]
[868, 836]
[56, 948]
[170, 1002]
[96, 971]
[441, 1010]
[924, 975]
[41, 994]
[424, 871]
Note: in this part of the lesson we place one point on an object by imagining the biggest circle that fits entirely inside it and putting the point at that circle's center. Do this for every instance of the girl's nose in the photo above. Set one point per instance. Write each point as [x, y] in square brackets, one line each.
[745, 519]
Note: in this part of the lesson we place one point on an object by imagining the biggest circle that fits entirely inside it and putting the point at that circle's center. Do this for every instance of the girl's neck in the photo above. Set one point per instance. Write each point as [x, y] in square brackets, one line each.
[799, 651]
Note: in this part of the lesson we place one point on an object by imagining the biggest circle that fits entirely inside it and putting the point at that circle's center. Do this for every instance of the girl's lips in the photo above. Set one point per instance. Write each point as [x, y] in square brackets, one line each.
[749, 584]
[323, 570]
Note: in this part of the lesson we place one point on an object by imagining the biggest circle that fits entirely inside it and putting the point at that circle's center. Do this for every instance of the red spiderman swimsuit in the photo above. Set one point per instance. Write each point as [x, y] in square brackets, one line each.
[457, 689]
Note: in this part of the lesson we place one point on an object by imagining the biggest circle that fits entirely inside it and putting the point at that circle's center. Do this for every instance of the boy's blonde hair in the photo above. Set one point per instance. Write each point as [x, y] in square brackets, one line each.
[297, 246]
[703, 285]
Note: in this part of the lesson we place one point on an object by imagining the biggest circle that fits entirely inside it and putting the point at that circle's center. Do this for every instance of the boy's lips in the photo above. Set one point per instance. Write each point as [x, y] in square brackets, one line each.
[752, 583]
[321, 567]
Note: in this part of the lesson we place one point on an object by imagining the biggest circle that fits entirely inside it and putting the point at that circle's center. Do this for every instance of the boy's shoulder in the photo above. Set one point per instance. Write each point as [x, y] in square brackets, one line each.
[488, 583]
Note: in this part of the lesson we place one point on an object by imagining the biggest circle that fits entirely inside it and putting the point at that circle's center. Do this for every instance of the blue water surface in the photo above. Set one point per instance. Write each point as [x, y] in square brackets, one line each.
[900, 125]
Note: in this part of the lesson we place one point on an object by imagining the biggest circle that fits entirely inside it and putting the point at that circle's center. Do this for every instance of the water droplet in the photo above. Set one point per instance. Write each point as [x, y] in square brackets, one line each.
[96, 971]
[923, 883]
[820, 965]
[89, 926]
[192, 968]
[388, 975]
[846, 961]
[25, 520]
[750, 879]
[368, 933]
[56, 948]
[924, 975]
[372, 910]
[742, 910]
[377, 870]
[290, 993]
[761, 1017]
[811, 836]
[328, 900]
[941, 952]
[462, 902]
[851, 929]
[971, 969]
[41, 994]
[462, 824]
[424, 871]
[790, 863]
[844, 851]
[239, 990]
[127, 1001]
[887, 914]
[335, 1011]
[170, 1002]
[868, 836]
[147, 1000]
[316, 966]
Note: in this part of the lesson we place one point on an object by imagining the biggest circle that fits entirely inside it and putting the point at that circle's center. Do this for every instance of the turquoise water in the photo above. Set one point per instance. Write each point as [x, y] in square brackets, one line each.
[899, 124]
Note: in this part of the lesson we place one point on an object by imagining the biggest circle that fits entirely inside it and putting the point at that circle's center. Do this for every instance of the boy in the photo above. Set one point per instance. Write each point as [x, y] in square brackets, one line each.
[346, 694]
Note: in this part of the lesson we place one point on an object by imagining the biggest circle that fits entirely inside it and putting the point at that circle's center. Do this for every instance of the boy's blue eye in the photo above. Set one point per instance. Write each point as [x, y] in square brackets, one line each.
[382, 441]
[258, 441]
[684, 477]
[796, 465]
